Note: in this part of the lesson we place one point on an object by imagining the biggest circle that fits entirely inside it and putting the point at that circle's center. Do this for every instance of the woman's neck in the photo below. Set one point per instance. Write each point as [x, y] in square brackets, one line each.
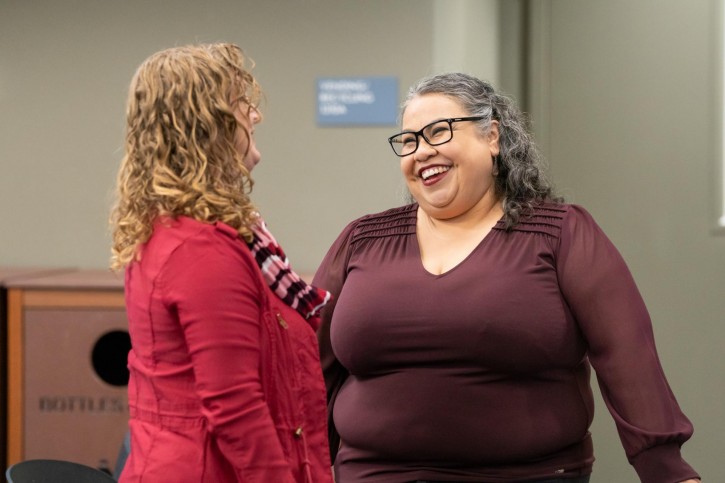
[482, 216]
[446, 242]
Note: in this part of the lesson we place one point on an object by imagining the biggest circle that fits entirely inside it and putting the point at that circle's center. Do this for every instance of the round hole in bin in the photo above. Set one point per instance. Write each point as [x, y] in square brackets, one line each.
[110, 355]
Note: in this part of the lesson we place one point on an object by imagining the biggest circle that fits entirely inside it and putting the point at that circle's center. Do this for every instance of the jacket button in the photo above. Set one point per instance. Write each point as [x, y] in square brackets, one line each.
[281, 321]
[298, 432]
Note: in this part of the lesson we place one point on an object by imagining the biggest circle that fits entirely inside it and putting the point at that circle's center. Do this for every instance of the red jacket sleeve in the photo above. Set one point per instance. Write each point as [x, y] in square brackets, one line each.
[216, 293]
[607, 305]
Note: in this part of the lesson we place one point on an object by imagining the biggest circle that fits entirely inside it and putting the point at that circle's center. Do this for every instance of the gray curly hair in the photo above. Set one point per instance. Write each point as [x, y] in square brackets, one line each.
[519, 167]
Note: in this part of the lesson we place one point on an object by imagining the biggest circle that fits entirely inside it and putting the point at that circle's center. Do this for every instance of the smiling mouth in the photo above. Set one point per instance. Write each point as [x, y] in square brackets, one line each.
[428, 173]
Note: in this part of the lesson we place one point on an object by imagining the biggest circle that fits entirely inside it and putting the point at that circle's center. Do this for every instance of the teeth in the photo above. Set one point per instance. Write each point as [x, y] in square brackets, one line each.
[427, 173]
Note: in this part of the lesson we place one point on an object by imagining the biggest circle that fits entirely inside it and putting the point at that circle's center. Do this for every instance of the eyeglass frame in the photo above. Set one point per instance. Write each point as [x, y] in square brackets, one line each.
[419, 134]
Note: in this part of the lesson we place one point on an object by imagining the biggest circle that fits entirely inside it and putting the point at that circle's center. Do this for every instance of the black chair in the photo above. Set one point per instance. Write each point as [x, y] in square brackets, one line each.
[55, 471]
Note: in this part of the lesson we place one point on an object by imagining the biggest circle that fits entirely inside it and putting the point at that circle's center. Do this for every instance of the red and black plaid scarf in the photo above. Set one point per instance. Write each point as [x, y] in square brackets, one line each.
[289, 287]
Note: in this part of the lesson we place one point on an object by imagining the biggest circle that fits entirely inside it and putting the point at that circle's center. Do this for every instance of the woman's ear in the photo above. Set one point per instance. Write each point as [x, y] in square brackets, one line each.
[493, 137]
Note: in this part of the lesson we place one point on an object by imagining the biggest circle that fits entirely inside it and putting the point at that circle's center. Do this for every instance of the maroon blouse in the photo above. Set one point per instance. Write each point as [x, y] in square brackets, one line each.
[482, 373]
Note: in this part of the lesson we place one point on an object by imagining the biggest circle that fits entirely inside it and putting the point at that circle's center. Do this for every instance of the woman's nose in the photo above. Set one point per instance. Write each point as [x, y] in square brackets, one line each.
[424, 151]
[254, 115]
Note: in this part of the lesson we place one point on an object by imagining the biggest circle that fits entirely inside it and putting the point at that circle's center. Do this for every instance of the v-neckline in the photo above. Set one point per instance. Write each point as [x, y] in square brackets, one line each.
[477, 247]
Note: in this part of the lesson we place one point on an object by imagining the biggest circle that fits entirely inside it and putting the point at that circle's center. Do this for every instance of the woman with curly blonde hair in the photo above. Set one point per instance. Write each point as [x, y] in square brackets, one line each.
[225, 382]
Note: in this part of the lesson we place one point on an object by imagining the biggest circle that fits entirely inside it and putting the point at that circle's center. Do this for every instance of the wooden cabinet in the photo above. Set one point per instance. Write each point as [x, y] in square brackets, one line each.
[9, 275]
[67, 343]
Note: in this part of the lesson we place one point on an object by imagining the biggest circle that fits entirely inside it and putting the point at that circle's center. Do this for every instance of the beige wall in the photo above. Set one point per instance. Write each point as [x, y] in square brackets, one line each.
[626, 104]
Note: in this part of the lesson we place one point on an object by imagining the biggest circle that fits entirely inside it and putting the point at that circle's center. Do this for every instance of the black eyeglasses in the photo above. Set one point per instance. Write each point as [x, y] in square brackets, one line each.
[435, 134]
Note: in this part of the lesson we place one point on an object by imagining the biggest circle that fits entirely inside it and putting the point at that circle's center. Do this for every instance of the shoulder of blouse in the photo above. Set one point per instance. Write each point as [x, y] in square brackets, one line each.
[392, 222]
[545, 218]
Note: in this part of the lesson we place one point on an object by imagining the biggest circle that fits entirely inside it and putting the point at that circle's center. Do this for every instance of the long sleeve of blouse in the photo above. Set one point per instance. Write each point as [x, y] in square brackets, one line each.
[213, 289]
[331, 275]
[603, 297]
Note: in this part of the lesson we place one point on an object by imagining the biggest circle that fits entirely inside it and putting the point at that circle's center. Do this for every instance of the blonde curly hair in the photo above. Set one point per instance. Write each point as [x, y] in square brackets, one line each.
[180, 153]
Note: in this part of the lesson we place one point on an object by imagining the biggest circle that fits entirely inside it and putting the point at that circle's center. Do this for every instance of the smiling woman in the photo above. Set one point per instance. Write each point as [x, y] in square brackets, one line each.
[470, 319]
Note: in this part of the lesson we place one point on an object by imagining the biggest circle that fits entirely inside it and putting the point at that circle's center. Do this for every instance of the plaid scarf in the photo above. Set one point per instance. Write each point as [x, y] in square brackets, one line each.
[289, 287]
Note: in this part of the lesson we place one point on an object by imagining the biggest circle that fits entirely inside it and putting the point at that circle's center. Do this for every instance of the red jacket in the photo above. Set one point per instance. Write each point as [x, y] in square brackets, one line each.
[225, 380]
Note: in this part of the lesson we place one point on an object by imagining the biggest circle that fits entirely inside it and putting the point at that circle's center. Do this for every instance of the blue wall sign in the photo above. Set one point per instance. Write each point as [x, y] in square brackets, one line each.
[357, 100]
